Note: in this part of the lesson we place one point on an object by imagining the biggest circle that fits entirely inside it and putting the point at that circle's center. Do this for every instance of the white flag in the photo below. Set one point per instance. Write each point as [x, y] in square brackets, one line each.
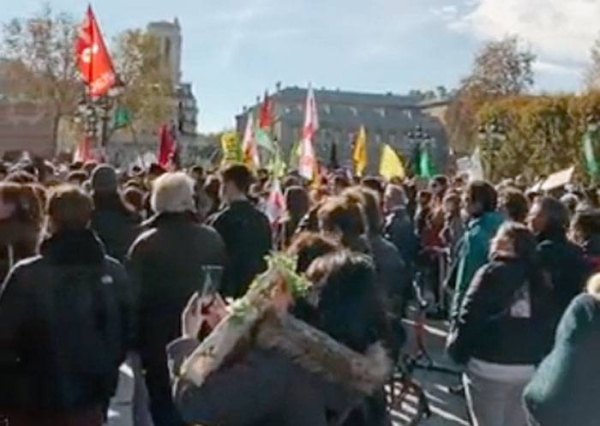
[308, 160]
[276, 203]
[249, 147]
[476, 169]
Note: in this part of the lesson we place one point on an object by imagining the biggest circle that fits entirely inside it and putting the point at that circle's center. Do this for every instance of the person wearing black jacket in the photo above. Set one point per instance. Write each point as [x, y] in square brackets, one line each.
[585, 232]
[66, 318]
[165, 264]
[502, 330]
[562, 260]
[244, 229]
[113, 219]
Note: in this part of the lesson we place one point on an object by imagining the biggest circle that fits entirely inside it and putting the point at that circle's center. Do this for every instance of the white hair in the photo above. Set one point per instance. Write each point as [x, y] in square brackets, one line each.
[173, 193]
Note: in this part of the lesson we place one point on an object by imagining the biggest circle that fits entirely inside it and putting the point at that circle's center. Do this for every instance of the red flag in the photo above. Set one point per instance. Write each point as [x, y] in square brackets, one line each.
[265, 118]
[167, 147]
[93, 58]
[83, 152]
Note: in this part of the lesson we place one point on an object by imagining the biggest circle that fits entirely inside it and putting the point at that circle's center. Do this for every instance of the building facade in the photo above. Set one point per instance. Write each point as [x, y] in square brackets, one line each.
[170, 41]
[388, 118]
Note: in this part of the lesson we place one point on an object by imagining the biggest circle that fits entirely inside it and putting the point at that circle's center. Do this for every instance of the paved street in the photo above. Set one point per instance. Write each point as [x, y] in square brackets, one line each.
[447, 409]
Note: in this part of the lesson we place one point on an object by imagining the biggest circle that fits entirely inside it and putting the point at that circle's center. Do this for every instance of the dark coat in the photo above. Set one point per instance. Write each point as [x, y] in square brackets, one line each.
[47, 363]
[165, 266]
[247, 236]
[18, 241]
[400, 230]
[116, 227]
[279, 381]
[565, 388]
[505, 316]
[567, 268]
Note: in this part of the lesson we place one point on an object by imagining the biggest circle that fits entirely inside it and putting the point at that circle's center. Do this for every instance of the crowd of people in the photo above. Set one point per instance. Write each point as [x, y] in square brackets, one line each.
[103, 266]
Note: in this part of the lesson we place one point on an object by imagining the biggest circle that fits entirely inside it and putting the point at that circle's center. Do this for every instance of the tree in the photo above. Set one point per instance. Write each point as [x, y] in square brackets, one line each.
[39, 62]
[500, 69]
[592, 75]
[149, 92]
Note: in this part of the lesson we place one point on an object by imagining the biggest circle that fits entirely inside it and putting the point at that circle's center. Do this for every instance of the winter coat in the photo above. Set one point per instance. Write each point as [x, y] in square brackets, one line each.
[18, 241]
[66, 318]
[566, 266]
[504, 316]
[565, 388]
[165, 264]
[247, 236]
[400, 230]
[117, 228]
[289, 374]
[473, 254]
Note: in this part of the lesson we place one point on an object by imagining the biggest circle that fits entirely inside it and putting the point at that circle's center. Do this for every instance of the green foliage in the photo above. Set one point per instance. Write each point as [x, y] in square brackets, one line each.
[500, 69]
[148, 88]
[543, 134]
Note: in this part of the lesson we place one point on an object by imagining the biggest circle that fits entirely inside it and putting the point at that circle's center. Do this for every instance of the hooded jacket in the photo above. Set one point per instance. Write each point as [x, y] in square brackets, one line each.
[289, 374]
[66, 317]
[565, 388]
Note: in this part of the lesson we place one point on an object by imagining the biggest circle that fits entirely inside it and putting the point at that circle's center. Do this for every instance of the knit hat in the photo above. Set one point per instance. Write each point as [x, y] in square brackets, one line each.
[104, 179]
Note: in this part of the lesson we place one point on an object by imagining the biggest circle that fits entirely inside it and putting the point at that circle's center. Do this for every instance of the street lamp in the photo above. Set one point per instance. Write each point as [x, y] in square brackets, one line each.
[492, 134]
[419, 141]
[95, 113]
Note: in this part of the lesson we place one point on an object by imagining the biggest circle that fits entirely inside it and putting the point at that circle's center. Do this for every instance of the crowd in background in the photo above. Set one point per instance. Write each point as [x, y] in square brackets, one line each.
[99, 264]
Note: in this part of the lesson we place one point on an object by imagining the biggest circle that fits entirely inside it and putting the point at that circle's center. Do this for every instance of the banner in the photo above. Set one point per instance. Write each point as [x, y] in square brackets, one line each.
[230, 147]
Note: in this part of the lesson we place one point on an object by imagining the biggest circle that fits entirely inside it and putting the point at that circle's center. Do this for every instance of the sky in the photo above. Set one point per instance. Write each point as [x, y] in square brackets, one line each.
[236, 49]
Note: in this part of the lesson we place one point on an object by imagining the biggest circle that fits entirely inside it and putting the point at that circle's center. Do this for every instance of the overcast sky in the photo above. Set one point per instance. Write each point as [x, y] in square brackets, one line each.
[235, 49]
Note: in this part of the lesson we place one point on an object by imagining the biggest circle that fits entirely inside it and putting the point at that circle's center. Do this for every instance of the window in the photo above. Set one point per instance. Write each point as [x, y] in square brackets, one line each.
[378, 138]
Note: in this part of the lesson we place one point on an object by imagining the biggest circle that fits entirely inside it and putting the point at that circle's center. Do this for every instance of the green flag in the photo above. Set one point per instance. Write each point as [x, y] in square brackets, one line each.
[122, 117]
[589, 154]
[263, 139]
[426, 167]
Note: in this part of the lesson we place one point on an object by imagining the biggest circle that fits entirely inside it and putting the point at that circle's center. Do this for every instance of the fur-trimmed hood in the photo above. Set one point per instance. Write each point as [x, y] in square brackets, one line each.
[318, 353]
[309, 348]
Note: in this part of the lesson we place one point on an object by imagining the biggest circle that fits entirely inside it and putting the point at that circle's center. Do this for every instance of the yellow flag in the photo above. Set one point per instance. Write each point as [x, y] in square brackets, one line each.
[390, 165]
[360, 152]
[230, 146]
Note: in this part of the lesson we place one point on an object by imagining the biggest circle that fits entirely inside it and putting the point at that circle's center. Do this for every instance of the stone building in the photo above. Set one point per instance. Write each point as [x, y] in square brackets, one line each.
[24, 125]
[388, 118]
[171, 44]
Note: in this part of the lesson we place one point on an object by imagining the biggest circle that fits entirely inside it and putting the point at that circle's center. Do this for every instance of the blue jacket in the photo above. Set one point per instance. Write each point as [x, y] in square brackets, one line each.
[474, 253]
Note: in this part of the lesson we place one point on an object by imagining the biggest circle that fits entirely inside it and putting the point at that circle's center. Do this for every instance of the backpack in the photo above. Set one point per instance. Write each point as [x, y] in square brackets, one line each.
[86, 332]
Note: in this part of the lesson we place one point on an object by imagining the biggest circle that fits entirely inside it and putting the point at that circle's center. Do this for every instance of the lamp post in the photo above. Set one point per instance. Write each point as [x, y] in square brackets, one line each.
[590, 141]
[94, 113]
[492, 135]
[419, 140]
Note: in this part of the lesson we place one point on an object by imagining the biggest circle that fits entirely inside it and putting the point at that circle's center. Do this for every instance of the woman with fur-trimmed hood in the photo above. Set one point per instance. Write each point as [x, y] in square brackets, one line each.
[288, 371]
